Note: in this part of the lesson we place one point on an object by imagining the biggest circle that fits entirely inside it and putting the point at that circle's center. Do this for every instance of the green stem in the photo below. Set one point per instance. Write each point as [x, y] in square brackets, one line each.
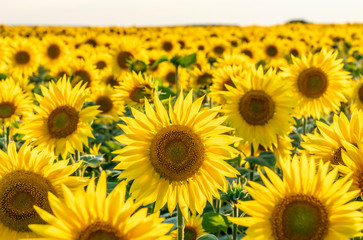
[77, 157]
[177, 80]
[252, 165]
[6, 131]
[234, 227]
[218, 205]
[180, 224]
[304, 126]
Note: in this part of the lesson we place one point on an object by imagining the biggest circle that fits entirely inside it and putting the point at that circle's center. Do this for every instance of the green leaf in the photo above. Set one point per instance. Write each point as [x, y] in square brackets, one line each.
[166, 92]
[214, 222]
[92, 160]
[188, 60]
[207, 237]
[266, 159]
[269, 158]
[113, 145]
[163, 58]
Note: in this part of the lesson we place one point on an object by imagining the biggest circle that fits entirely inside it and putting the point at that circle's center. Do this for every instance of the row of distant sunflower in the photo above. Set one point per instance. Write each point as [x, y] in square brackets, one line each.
[175, 152]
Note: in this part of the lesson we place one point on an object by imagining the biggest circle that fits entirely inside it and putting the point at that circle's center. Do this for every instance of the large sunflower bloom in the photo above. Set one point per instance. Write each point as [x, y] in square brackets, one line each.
[90, 214]
[176, 158]
[26, 177]
[61, 123]
[327, 144]
[307, 204]
[318, 81]
[259, 107]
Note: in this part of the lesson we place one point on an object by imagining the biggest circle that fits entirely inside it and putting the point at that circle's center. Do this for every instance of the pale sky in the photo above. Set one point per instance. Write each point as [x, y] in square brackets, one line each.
[176, 12]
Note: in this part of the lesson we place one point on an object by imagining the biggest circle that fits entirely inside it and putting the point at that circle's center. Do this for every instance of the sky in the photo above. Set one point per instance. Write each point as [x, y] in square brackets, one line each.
[176, 12]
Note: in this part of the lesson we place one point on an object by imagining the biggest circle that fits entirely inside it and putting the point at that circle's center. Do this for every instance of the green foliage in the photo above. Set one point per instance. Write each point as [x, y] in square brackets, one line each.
[266, 159]
[185, 61]
[207, 237]
[163, 58]
[215, 222]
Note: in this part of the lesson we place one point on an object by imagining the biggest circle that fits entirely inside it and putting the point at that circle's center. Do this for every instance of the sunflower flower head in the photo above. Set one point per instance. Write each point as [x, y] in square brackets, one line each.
[318, 80]
[61, 124]
[308, 203]
[259, 107]
[91, 214]
[26, 177]
[176, 156]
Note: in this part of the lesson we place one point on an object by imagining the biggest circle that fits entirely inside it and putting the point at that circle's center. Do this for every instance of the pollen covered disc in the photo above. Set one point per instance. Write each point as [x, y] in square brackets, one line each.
[7, 109]
[360, 93]
[53, 51]
[122, 59]
[299, 217]
[190, 233]
[167, 46]
[105, 103]
[312, 82]
[81, 75]
[22, 57]
[176, 152]
[19, 191]
[271, 50]
[100, 231]
[101, 64]
[256, 107]
[62, 121]
[218, 50]
[138, 93]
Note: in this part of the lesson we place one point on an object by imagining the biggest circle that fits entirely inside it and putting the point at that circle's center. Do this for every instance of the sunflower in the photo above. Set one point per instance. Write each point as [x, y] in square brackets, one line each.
[250, 50]
[234, 60]
[61, 125]
[169, 44]
[176, 158]
[259, 107]
[218, 47]
[357, 95]
[223, 76]
[84, 71]
[4, 51]
[91, 214]
[134, 89]
[193, 228]
[64, 68]
[307, 204]
[54, 51]
[104, 97]
[26, 177]
[352, 158]
[108, 77]
[24, 84]
[23, 57]
[201, 77]
[101, 59]
[318, 82]
[327, 144]
[14, 104]
[123, 52]
[167, 72]
[273, 52]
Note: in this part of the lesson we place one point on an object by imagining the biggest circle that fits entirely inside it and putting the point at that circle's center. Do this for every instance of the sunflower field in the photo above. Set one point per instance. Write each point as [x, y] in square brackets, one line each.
[189, 132]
